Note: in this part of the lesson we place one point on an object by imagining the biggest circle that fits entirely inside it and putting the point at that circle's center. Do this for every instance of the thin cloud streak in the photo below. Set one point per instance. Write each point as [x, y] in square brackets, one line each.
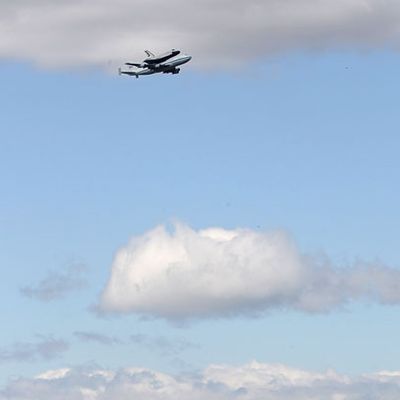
[97, 338]
[46, 348]
[163, 345]
[57, 285]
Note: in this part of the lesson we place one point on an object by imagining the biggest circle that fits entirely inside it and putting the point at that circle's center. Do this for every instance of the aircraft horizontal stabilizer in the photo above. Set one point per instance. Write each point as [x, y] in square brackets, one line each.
[134, 65]
[130, 73]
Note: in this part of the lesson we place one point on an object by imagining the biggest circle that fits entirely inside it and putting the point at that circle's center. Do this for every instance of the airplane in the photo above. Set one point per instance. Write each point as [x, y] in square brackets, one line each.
[165, 63]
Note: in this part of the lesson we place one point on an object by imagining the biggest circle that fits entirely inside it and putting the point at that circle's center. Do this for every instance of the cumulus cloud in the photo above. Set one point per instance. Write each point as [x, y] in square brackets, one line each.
[218, 33]
[184, 274]
[57, 284]
[46, 348]
[253, 381]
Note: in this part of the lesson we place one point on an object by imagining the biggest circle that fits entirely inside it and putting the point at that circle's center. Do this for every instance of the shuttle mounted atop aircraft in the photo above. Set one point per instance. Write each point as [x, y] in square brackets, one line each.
[166, 63]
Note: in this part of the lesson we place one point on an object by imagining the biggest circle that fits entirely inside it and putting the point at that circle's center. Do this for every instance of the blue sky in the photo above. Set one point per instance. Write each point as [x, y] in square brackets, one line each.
[306, 142]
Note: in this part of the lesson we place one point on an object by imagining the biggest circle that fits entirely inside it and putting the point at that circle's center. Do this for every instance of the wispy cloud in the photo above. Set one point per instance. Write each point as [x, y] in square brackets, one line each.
[97, 338]
[57, 284]
[45, 348]
[215, 272]
[162, 344]
[253, 381]
[219, 33]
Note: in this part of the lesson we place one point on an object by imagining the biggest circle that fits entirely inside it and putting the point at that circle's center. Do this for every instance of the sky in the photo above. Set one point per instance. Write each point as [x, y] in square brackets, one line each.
[228, 232]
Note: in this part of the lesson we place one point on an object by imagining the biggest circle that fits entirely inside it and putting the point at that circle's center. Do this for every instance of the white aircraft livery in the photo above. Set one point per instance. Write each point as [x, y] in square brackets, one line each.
[166, 63]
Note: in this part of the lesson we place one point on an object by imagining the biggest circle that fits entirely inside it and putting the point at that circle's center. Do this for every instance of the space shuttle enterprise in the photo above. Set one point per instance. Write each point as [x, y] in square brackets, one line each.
[166, 63]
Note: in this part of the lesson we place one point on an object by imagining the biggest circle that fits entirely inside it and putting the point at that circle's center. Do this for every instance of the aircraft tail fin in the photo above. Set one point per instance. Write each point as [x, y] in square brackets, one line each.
[149, 53]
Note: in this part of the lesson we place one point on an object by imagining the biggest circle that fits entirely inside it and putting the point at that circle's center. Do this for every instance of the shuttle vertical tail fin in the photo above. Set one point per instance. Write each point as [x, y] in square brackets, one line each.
[149, 53]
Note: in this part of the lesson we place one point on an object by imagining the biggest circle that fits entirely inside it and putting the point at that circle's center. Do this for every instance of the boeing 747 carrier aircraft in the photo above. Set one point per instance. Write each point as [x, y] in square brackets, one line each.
[166, 63]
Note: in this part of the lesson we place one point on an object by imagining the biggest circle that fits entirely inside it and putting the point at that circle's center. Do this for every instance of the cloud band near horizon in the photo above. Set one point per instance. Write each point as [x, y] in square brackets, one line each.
[252, 381]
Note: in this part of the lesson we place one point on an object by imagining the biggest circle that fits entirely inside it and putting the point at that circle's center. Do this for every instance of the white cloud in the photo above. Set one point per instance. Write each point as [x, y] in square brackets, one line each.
[54, 374]
[218, 33]
[187, 274]
[253, 381]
